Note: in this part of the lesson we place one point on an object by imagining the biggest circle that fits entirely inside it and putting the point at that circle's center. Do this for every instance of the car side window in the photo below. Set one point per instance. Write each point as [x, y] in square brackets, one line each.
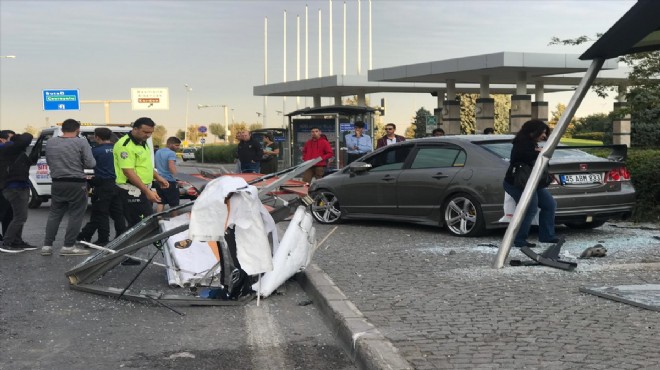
[391, 159]
[432, 157]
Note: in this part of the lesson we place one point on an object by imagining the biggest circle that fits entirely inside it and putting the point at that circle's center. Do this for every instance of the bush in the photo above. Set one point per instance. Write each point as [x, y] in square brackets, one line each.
[644, 167]
[646, 135]
[217, 153]
[589, 136]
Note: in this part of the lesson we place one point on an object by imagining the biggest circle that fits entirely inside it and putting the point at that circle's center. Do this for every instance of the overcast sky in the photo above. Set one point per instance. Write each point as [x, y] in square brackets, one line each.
[105, 48]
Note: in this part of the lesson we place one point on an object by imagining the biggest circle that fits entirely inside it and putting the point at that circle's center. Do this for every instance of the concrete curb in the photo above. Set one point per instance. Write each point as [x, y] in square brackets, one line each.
[363, 342]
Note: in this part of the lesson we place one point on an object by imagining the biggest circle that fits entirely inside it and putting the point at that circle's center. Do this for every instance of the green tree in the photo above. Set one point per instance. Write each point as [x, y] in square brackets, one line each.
[468, 112]
[159, 135]
[643, 93]
[502, 113]
[419, 122]
[180, 134]
[597, 122]
[193, 134]
[554, 119]
[218, 130]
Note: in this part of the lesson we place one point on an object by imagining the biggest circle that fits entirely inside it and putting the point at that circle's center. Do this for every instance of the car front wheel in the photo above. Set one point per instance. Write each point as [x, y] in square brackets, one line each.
[463, 216]
[34, 200]
[325, 208]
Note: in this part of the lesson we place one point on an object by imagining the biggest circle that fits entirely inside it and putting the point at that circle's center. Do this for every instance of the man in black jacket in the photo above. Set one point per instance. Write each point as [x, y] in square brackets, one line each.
[249, 152]
[5, 208]
[15, 184]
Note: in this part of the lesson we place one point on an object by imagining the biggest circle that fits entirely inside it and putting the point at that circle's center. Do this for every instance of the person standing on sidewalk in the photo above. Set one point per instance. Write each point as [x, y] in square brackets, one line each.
[358, 144]
[135, 172]
[5, 207]
[105, 193]
[15, 185]
[249, 152]
[390, 136]
[166, 167]
[316, 146]
[67, 156]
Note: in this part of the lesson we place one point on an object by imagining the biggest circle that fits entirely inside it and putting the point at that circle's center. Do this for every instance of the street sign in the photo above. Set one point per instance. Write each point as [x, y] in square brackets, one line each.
[202, 129]
[202, 140]
[431, 123]
[61, 100]
[150, 98]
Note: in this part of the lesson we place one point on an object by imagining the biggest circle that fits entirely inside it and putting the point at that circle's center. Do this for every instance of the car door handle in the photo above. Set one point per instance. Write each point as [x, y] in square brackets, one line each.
[388, 178]
[439, 176]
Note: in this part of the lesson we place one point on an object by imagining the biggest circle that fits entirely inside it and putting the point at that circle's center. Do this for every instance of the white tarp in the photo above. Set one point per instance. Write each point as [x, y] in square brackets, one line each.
[211, 215]
[294, 254]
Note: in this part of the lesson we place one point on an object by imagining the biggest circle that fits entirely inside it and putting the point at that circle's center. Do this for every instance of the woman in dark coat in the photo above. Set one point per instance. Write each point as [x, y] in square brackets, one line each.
[271, 152]
[525, 150]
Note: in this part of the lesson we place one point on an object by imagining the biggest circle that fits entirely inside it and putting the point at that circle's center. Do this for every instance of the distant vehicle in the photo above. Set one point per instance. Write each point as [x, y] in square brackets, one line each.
[188, 154]
[456, 182]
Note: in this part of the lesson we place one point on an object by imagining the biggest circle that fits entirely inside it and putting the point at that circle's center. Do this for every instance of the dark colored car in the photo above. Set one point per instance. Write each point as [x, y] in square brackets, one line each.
[456, 182]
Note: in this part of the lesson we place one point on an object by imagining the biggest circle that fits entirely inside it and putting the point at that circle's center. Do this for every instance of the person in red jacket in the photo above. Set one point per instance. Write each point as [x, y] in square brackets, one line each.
[316, 147]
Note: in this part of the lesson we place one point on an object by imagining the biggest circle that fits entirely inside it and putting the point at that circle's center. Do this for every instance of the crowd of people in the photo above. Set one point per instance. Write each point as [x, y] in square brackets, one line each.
[122, 187]
[125, 178]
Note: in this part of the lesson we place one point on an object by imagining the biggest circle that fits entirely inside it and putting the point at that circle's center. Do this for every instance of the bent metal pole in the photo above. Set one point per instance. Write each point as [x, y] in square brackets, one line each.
[543, 159]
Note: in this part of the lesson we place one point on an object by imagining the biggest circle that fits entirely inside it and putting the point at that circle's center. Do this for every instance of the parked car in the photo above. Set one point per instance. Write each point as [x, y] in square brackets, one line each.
[456, 182]
[188, 154]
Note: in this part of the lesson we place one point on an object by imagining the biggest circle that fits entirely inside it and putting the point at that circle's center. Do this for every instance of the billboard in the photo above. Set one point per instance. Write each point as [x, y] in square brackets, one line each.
[150, 98]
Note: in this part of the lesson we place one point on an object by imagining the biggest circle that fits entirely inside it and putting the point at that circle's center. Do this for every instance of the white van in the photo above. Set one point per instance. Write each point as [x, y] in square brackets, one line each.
[40, 181]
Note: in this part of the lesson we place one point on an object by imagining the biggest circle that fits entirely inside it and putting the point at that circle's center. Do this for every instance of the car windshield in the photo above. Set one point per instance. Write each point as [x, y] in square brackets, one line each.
[503, 150]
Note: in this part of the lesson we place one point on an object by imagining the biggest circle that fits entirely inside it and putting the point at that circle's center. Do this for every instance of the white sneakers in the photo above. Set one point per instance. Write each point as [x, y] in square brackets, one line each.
[73, 251]
[47, 250]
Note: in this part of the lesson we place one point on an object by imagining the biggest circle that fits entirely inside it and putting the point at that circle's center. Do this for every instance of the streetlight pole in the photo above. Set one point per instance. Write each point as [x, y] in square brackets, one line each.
[227, 133]
[188, 90]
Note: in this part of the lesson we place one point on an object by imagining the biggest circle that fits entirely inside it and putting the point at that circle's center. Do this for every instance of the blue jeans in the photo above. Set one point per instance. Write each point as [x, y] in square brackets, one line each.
[250, 167]
[542, 199]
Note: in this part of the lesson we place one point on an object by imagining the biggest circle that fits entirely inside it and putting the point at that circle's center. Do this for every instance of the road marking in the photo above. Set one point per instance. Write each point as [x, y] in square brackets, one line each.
[265, 336]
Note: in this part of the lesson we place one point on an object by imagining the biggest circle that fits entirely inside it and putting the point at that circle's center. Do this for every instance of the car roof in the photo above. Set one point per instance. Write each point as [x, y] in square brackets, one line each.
[477, 138]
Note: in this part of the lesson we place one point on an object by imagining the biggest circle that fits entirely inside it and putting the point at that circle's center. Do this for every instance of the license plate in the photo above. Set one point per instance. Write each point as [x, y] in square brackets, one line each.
[583, 178]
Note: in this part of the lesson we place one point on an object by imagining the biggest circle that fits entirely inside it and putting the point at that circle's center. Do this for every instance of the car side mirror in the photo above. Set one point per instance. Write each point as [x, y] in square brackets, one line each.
[359, 167]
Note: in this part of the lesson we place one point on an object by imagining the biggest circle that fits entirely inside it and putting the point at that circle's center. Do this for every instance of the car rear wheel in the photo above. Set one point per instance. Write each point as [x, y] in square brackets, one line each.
[325, 208]
[586, 225]
[34, 200]
[463, 216]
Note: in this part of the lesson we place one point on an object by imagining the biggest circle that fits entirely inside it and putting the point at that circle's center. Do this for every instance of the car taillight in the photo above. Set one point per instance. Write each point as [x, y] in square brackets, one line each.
[618, 174]
[192, 191]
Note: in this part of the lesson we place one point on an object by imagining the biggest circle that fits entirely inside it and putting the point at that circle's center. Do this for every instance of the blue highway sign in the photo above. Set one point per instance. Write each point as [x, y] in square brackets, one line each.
[61, 100]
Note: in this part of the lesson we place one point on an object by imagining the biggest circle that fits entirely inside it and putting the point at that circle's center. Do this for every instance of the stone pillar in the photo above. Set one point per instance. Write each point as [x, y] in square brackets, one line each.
[621, 126]
[362, 100]
[540, 110]
[338, 99]
[485, 114]
[317, 101]
[451, 117]
[521, 112]
[437, 112]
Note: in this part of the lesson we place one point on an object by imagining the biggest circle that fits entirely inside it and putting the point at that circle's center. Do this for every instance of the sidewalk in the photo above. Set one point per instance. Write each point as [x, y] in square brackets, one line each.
[402, 296]
[438, 302]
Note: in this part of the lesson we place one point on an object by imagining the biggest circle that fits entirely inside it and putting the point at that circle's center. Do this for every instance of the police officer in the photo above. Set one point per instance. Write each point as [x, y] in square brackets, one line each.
[135, 171]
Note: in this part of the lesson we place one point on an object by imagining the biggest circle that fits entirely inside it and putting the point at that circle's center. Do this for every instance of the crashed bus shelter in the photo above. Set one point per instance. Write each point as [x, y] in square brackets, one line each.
[227, 200]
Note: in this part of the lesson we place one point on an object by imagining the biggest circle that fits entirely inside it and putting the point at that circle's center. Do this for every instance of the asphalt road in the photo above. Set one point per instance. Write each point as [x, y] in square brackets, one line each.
[45, 325]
